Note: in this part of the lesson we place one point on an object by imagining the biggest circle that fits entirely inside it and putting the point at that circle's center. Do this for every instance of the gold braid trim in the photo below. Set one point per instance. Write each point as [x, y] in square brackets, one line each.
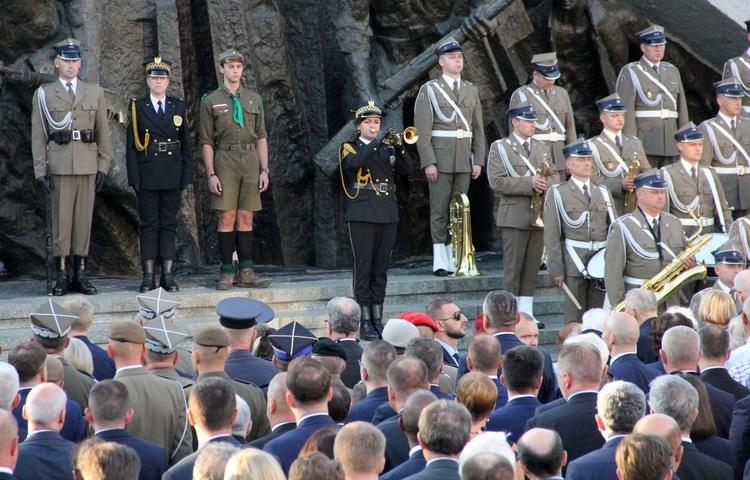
[138, 145]
[362, 180]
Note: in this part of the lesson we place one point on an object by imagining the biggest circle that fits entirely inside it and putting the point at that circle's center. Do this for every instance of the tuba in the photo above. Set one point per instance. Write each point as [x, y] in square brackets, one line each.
[536, 199]
[673, 277]
[410, 136]
[630, 201]
[459, 226]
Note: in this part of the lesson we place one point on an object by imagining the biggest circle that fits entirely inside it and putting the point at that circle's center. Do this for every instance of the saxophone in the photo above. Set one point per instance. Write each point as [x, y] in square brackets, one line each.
[630, 200]
[673, 277]
[536, 199]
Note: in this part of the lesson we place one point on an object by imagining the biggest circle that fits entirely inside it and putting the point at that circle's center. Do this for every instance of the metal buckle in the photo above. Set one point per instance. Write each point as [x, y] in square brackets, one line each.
[553, 137]
[740, 170]
[162, 147]
[76, 134]
[382, 187]
[460, 133]
[664, 113]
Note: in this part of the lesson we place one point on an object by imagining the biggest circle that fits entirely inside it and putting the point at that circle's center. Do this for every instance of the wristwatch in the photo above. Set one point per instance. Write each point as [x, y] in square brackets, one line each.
[268, 171]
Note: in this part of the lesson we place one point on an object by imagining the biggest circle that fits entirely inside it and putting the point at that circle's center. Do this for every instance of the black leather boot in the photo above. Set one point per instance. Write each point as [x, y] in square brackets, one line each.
[167, 277]
[377, 319]
[366, 331]
[62, 285]
[149, 282]
[80, 283]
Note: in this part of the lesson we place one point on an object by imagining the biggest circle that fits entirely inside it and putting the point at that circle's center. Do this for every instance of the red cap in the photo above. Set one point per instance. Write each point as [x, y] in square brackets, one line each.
[418, 319]
[479, 323]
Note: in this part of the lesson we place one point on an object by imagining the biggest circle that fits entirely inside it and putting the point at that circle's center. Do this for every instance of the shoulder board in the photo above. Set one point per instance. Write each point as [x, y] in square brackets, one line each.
[467, 82]
[632, 64]
[631, 136]
[667, 64]
[209, 93]
[347, 148]
[534, 140]
[669, 215]
[434, 80]
[245, 382]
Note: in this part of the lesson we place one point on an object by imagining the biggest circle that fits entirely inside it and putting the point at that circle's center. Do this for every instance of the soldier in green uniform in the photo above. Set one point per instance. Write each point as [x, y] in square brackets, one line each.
[235, 153]
[71, 149]
[740, 67]
[162, 338]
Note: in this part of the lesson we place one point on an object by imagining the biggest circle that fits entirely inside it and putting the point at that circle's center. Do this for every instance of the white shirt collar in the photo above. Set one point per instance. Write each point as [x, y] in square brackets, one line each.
[450, 81]
[514, 397]
[582, 391]
[688, 168]
[612, 360]
[723, 287]
[366, 142]
[310, 416]
[6, 470]
[687, 439]
[447, 347]
[650, 219]
[414, 449]
[713, 368]
[652, 64]
[212, 437]
[74, 82]
[613, 136]
[129, 367]
[521, 140]
[726, 119]
[442, 458]
[580, 184]
[154, 102]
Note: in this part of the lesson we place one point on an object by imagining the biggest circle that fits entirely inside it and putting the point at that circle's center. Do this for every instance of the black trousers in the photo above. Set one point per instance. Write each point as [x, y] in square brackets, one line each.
[372, 245]
[157, 210]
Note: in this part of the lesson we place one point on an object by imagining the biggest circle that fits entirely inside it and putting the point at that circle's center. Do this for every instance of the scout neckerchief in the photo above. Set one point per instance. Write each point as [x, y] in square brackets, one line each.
[237, 107]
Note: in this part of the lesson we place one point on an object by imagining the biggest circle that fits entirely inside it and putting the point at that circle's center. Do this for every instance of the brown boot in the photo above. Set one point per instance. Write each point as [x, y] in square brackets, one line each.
[248, 279]
[225, 281]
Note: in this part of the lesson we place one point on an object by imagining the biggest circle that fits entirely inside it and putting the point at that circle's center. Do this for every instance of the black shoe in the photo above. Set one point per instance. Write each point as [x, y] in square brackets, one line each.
[367, 332]
[80, 283]
[62, 285]
[440, 273]
[149, 281]
[167, 277]
[377, 319]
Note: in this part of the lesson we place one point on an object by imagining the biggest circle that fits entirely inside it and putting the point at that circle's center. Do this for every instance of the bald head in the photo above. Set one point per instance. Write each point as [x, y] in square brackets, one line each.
[45, 407]
[660, 425]
[680, 349]
[8, 432]
[484, 354]
[55, 373]
[742, 285]
[541, 453]
[278, 409]
[620, 332]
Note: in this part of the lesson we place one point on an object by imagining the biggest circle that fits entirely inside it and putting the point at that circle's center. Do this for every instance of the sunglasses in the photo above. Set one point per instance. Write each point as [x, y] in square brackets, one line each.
[456, 316]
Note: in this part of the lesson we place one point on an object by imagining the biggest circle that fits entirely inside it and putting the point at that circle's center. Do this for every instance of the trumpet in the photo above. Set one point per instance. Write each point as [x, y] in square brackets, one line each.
[410, 136]
[630, 200]
[536, 199]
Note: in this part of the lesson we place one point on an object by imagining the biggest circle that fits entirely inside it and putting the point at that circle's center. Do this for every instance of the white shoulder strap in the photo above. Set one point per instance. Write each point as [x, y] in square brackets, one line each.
[508, 167]
[608, 202]
[717, 200]
[731, 138]
[622, 167]
[453, 104]
[658, 84]
[550, 112]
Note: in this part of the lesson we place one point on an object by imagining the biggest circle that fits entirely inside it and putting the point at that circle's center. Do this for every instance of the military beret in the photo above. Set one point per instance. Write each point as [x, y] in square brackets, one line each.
[68, 49]
[419, 319]
[522, 111]
[162, 336]
[325, 347]
[612, 103]
[688, 133]
[450, 46]
[651, 179]
[231, 55]
[211, 336]
[578, 148]
[50, 320]
[240, 313]
[730, 87]
[159, 67]
[730, 252]
[126, 331]
[398, 332]
[292, 341]
[653, 35]
[547, 65]
[157, 303]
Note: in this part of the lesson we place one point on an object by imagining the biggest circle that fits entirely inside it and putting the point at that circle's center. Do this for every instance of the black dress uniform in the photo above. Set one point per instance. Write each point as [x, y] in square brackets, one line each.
[369, 171]
[160, 166]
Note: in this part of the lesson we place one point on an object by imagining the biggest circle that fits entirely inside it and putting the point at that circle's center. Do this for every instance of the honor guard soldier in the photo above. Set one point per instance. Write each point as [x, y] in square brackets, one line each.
[694, 187]
[576, 217]
[160, 167]
[162, 338]
[71, 149]
[618, 158]
[729, 262]
[235, 152]
[514, 169]
[369, 166]
[160, 304]
[555, 124]
[448, 117]
[652, 92]
[728, 147]
[739, 67]
[642, 243]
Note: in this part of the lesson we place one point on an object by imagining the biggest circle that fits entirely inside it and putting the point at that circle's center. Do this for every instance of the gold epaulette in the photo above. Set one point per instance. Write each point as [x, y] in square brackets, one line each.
[347, 149]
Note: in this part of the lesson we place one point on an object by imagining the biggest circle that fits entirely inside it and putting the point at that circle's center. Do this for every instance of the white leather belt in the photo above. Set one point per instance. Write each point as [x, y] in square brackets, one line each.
[460, 133]
[663, 114]
[634, 281]
[593, 246]
[706, 222]
[549, 137]
[740, 170]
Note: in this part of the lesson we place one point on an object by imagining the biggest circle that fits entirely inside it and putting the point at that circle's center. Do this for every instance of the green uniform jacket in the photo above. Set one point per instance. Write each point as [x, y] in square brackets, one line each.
[717, 145]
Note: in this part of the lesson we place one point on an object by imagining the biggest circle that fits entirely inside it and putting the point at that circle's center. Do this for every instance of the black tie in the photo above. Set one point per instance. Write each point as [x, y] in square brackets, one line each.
[159, 109]
[586, 191]
[70, 91]
[457, 358]
[527, 147]
[455, 88]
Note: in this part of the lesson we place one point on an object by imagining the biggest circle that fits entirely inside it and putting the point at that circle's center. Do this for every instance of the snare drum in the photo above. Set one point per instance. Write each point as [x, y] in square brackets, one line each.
[596, 265]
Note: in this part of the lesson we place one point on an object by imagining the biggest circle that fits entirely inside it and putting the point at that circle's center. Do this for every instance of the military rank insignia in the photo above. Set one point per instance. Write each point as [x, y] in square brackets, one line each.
[492, 154]
[546, 206]
[622, 78]
[177, 120]
[611, 233]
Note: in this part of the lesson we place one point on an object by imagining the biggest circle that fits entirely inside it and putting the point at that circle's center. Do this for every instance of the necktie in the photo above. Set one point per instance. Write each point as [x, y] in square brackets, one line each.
[237, 107]
[694, 174]
[618, 141]
[457, 358]
[586, 192]
[70, 91]
[655, 224]
[546, 94]
[656, 69]
[159, 109]
[455, 88]
[527, 147]
[733, 126]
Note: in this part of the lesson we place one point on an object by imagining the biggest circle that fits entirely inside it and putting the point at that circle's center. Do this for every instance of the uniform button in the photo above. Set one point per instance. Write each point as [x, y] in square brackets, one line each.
[169, 139]
[169, 153]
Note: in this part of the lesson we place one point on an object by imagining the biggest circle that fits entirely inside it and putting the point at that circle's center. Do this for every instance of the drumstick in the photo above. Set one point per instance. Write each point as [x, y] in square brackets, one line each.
[570, 295]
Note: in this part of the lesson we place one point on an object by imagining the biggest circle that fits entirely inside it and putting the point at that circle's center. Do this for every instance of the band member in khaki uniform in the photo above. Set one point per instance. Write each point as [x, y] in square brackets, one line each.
[71, 149]
[642, 243]
[448, 116]
[694, 187]
[512, 168]
[729, 262]
[727, 146]
[615, 154]
[652, 92]
[235, 152]
[740, 67]
[741, 228]
[576, 217]
[555, 124]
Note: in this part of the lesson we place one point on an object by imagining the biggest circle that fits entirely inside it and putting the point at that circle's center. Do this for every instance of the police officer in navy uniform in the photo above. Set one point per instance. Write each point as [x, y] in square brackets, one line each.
[369, 166]
[160, 166]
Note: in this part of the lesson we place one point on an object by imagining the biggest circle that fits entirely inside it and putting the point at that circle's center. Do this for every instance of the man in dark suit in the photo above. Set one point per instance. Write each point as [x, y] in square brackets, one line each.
[579, 367]
[281, 417]
[621, 336]
[360, 448]
[309, 385]
[376, 358]
[665, 427]
[674, 396]
[451, 324]
[522, 374]
[541, 454]
[97, 459]
[341, 327]
[79, 306]
[715, 347]
[212, 411]
[108, 413]
[444, 429]
[431, 354]
[641, 304]
[409, 424]
[500, 318]
[486, 357]
[8, 445]
[680, 352]
[405, 376]
[44, 453]
[739, 433]
[619, 405]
